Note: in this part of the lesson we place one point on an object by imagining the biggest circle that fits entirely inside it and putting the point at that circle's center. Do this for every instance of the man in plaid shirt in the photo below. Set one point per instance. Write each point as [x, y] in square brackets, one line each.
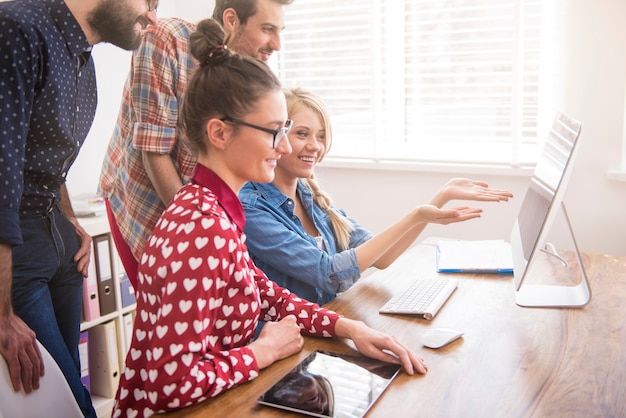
[147, 160]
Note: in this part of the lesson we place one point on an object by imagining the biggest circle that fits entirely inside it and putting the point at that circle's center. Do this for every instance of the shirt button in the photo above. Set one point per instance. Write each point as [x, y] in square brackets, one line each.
[63, 174]
[290, 203]
[45, 187]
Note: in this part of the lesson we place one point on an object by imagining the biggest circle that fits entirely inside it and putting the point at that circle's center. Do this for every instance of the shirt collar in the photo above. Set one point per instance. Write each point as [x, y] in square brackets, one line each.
[67, 24]
[275, 197]
[226, 198]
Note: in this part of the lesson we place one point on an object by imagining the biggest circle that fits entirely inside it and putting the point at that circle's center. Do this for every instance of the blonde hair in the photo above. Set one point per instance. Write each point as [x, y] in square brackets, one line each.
[297, 98]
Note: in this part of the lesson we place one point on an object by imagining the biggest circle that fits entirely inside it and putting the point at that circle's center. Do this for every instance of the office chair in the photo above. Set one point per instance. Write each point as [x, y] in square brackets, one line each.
[54, 397]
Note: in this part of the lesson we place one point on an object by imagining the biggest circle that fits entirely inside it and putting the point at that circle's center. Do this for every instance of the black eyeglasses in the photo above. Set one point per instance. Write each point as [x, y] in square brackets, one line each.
[152, 5]
[279, 134]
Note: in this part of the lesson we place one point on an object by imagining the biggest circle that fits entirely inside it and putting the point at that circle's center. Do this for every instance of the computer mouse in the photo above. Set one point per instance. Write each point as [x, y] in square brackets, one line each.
[438, 337]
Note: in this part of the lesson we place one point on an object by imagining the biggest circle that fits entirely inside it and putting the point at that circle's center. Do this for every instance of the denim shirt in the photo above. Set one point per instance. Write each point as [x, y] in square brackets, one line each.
[280, 246]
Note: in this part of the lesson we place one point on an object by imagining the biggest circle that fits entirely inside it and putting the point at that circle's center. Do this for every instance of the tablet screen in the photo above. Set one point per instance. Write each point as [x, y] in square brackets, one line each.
[334, 385]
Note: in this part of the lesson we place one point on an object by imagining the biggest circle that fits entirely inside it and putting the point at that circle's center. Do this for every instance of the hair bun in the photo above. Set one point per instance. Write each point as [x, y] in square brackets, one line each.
[206, 43]
[215, 53]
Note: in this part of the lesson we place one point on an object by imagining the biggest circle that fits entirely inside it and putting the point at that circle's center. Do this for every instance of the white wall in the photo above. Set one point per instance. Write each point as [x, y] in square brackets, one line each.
[591, 85]
[592, 89]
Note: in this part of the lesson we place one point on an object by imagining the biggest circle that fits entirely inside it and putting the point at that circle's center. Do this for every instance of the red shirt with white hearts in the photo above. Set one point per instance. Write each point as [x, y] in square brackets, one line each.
[199, 300]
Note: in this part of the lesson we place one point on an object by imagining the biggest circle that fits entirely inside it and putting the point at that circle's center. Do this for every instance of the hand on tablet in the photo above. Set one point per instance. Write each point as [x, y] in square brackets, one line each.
[277, 341]
[380, 346]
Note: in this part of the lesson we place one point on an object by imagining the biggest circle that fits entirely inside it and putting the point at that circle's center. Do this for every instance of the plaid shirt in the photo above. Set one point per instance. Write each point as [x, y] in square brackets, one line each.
[148, 121]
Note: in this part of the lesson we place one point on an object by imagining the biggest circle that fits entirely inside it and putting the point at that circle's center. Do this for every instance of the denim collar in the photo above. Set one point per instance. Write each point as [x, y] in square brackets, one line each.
[275, 197]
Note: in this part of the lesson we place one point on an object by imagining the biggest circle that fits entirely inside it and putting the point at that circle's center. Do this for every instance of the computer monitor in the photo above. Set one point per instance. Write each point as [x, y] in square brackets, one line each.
[541, 207]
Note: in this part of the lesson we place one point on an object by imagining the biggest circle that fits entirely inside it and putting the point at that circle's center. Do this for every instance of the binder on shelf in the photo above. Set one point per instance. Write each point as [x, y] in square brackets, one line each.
[128, 331]
[104, 366]
[104, 270]
[127, 289]
[91, 302]
[83, 352]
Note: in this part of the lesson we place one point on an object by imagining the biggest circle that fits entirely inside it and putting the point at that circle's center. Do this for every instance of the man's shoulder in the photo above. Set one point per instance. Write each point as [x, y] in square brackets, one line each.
[27, 15]
[21, 7]
[172, 27]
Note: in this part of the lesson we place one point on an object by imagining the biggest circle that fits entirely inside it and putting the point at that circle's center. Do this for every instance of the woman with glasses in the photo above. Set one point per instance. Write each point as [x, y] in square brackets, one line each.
[303, 242]
[199, 295]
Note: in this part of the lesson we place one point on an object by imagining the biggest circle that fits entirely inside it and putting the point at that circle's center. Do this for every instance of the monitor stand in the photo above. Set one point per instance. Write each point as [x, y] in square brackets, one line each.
[550, 265]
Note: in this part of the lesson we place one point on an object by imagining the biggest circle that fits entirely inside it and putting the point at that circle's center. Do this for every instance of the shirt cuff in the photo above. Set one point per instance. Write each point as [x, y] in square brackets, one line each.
[11, 232]
[154, 138]
[346, 270]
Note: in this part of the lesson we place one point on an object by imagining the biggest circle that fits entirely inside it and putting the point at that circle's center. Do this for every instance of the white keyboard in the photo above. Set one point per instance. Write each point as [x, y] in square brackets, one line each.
[424, 297]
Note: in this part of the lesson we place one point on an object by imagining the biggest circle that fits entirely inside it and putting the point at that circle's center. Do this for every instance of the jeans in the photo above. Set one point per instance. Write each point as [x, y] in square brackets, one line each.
[47, 293]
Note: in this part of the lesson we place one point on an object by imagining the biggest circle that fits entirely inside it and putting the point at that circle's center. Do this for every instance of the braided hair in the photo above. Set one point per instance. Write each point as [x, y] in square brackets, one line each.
[298, 98]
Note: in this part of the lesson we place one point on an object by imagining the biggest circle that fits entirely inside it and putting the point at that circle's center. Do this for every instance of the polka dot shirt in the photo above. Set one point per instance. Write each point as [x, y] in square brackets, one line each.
[48, 100]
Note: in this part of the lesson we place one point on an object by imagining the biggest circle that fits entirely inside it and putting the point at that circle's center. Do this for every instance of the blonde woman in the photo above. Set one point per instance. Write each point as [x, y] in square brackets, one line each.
[304, 243]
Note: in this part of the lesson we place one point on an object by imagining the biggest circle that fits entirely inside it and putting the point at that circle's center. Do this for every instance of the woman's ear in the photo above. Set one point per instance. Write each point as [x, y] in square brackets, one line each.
[218, 133]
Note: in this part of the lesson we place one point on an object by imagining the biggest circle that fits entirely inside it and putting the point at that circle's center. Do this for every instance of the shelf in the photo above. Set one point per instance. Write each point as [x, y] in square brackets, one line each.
[96, 226]
[103, 406]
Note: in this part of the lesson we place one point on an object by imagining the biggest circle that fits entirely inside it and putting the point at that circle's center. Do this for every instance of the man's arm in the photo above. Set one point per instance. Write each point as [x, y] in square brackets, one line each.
[17, 341]
[162, 174]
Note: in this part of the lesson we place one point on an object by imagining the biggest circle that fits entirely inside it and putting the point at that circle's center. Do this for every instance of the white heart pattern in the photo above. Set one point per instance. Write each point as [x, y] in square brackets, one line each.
[200, 297]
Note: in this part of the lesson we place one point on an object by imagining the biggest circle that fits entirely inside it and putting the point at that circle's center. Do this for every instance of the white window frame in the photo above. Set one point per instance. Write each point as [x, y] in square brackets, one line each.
[390, 149]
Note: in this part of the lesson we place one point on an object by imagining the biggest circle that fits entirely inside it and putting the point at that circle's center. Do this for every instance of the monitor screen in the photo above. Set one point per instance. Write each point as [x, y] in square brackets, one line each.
[543, 201]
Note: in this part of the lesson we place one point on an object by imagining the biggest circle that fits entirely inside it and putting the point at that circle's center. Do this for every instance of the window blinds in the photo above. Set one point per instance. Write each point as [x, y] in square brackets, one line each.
[422, 80]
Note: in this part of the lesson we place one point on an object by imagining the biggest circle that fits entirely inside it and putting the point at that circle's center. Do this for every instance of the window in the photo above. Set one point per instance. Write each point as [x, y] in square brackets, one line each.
[450, 81]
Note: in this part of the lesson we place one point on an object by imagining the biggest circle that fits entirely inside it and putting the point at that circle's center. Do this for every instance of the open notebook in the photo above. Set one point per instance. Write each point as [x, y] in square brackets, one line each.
[480, 256]
[327, 385]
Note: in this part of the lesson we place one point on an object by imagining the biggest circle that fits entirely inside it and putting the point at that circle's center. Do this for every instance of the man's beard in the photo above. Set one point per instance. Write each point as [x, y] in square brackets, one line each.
[115, 24]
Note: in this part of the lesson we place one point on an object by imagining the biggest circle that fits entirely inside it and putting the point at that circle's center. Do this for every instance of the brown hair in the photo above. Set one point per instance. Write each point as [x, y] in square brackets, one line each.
[243, 8]
[225, 83]
[297, 98]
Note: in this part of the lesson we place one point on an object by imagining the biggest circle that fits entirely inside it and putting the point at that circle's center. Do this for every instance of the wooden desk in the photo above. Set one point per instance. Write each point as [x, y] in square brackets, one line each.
[511, 362]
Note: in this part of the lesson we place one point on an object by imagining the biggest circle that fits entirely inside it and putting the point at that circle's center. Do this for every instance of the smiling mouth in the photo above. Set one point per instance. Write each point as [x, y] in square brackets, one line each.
[265, 55]
[308, 159]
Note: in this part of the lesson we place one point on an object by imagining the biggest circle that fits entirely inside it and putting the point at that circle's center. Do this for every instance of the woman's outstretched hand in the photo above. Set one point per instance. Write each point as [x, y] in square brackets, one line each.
[432, 214]
[466, 189]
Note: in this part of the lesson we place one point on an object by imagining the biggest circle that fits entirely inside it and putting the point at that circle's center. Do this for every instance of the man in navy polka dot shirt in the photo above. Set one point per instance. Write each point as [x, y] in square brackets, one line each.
[47, 105]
